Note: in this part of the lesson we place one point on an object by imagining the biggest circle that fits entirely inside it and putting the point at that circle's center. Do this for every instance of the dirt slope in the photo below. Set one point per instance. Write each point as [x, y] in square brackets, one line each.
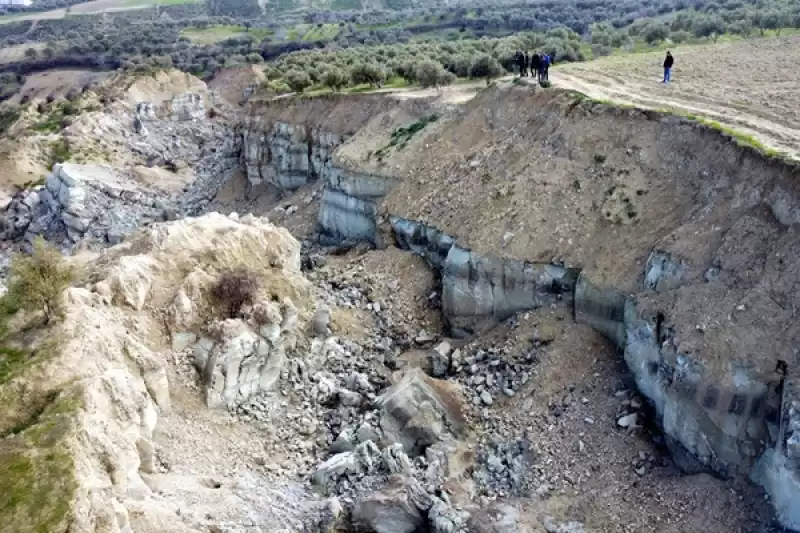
[711, 81]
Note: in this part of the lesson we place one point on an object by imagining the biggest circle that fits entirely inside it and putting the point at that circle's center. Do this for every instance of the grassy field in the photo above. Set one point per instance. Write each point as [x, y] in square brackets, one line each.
[320, 32]
[748, 88]
[96, 6]
[215, 34]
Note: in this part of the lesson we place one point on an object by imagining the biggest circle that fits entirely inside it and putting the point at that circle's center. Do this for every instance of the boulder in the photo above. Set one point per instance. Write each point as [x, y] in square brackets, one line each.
[497, 518]
[242, 364]
[363, 459]
[419, 411]
[393, 509]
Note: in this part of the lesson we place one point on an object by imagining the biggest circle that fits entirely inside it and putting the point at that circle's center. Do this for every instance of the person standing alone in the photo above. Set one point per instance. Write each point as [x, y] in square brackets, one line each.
[668, 62]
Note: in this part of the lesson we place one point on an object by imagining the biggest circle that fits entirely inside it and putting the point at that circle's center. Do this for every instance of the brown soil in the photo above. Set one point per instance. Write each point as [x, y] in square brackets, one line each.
[614, 480]
[56, 82]
[709, 81]
[230, 83]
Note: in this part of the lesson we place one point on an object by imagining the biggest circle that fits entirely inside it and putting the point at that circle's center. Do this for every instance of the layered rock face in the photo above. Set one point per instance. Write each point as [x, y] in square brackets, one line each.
[291, 145]
[652, 211]
[481, 289]
[83, 201]
[287, 156]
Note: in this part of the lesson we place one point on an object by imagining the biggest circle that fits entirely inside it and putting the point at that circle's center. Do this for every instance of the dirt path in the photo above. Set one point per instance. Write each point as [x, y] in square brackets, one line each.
[709, 85]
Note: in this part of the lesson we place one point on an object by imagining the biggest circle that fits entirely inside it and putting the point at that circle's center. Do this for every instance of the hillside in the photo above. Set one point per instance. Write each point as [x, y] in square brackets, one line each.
[480, 309]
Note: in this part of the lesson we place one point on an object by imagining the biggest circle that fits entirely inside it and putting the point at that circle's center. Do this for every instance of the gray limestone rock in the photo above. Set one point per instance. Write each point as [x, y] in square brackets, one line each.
[241, 365]
[366, 432]
[551, 526]
[393, 509]
[496, 518]
[320, 322]
[419, 410]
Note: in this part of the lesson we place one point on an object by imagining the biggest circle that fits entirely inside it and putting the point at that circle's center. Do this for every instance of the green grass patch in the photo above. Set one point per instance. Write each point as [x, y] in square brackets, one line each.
[216, 34]
[52, 120]
[400, 136]
[8, 116]
[59, 153]
[37, 468]
[321, 32]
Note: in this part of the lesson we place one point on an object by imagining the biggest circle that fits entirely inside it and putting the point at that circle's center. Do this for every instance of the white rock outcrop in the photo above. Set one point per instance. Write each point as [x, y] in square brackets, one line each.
[116, 352]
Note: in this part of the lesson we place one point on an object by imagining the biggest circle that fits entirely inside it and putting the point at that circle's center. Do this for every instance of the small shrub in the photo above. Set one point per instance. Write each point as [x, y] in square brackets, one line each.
[367, 73]
[59, 153]
[37, 281]
[234, 289]
[485, 66]
[599, 158]
[8, 116]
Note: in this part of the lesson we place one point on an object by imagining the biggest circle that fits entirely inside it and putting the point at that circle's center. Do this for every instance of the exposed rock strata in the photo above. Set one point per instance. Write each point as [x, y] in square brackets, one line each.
[734, 430]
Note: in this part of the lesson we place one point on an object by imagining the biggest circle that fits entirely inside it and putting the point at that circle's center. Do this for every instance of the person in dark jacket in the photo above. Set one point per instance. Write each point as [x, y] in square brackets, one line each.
[527, 62]
[536, 65]
[520, 57]
[668, 62]
[546, 67]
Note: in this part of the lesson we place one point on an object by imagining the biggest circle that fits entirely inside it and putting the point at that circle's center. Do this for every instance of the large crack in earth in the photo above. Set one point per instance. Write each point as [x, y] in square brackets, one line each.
[540, 218]
[732, 428]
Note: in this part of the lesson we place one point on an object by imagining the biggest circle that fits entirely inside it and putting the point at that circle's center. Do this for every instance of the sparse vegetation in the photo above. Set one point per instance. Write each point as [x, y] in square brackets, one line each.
[8, 116]
[402, 135]
[36, 466]
[234, 289]
[59, 153]
[36, 282]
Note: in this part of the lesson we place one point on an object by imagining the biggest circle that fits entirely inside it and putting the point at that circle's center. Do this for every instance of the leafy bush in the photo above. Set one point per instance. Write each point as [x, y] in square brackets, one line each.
[709, 27]
[298, 80]
[600, 50]
[368, 73]
[36, 282]
[429, 73]
[8, 116]
[485, 66]
[335, 78]
[655, 33]
[234, 289]
[59, 153]
[679, 37]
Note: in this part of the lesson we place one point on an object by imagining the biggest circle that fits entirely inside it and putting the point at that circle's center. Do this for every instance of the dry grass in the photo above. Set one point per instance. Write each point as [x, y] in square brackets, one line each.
[749, 88]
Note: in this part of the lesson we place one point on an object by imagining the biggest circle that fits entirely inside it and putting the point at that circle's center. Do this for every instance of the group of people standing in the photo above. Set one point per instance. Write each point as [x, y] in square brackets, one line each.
[538, 63]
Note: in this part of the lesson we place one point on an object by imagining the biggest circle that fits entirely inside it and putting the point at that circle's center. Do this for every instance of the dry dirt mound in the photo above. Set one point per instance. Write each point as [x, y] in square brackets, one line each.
[56, 84]
[708, 81]
[232, 84]
[137, 449]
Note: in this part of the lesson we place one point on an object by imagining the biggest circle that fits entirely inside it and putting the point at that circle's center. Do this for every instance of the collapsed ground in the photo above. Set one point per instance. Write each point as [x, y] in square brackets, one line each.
[552, 436]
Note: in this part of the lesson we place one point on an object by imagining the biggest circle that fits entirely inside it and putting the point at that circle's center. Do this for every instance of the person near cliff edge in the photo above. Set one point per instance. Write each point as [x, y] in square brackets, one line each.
[536, 66]
[519, 57]
[546, 66]
[527, 61]
[668, 62]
